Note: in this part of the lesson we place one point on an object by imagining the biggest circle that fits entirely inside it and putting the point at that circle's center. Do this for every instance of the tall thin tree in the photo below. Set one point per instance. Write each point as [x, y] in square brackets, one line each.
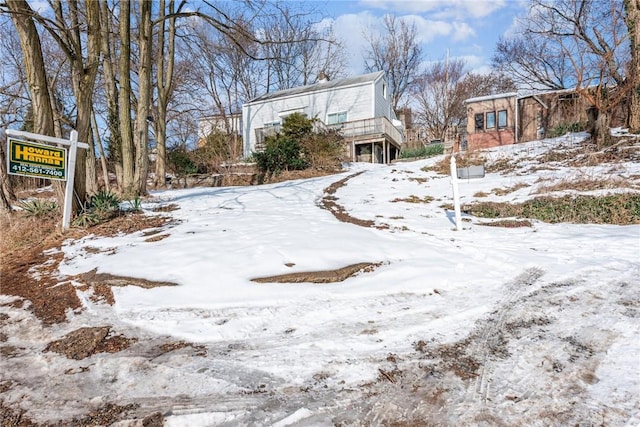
[397, 52]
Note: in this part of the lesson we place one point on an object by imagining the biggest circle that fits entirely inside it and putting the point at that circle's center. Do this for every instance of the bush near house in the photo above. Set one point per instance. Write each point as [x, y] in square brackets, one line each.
[564, 128]
[298, 147]
[430, 150]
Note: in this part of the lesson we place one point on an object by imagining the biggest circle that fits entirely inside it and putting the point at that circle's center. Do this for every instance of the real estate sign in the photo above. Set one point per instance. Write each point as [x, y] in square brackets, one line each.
[39, 160]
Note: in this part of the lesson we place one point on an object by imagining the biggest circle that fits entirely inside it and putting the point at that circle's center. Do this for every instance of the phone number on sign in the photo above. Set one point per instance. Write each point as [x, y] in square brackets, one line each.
[37, 170]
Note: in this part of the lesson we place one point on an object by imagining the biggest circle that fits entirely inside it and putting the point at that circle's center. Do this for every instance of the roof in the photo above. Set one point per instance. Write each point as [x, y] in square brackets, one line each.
[321, 86]
[490, 97]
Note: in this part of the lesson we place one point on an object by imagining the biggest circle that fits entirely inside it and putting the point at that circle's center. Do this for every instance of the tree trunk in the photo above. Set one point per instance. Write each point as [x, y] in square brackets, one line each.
[111, 91]
[165, 86]
[33, 66]
[6, 190]
[103, 158]
[602, 131]
[124, 103]
[141, 135]
[632, 18]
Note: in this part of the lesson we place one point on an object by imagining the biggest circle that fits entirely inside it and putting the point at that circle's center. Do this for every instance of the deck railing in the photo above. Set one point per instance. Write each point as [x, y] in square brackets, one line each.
[349, 130]
[363, 128]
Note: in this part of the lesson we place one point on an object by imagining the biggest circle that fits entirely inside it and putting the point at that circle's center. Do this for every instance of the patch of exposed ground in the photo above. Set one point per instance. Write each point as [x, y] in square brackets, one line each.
[85, 342]
[329, 203]
[29, 269]
[324, 276]
[94, 278]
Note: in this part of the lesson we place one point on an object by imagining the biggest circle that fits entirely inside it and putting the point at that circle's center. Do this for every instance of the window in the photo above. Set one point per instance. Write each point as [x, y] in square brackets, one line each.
[384, 91]
[335, 118]
[491, 119]
[502, 119]
[479, 119]
[272, 124]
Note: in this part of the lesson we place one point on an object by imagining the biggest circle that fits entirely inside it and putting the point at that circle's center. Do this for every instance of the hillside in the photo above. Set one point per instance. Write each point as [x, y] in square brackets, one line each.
[389, 315]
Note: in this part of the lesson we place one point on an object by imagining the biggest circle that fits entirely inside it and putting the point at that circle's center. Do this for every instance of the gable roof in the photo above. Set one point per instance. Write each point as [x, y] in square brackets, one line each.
[320, 86]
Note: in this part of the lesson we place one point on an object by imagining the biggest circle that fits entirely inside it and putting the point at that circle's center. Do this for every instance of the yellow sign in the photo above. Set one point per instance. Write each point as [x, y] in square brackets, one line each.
[30, 159]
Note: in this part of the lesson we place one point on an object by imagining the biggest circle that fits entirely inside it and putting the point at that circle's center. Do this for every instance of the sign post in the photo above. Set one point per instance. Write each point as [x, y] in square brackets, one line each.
[44, 161]
[456, 196]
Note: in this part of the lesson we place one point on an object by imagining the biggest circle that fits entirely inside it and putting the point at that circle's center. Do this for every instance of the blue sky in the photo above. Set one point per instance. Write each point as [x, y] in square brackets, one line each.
[469, 29]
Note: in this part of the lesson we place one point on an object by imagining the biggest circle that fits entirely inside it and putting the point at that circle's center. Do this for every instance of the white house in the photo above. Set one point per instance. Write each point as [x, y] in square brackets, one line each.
[360, 107]
[230, 123]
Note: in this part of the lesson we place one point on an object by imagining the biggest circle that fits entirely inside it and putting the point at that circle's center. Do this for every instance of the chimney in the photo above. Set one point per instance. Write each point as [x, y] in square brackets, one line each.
[322, 77]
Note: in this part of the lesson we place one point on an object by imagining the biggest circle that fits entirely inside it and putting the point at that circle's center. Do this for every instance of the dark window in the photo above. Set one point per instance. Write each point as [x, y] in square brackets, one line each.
[491, 120]
[479, 119]
[502, 119]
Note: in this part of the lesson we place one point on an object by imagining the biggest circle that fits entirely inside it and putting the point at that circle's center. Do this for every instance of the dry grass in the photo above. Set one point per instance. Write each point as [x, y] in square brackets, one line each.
[563, 155]
[503, 165]
[443, 167]
[414, 199]
[584, 184]
[508, 223]
[619, 209]
[20, 232]
[505, 191]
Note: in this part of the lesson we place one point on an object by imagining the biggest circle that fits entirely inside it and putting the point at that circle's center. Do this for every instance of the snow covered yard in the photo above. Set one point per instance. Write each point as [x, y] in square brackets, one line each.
[484, 326]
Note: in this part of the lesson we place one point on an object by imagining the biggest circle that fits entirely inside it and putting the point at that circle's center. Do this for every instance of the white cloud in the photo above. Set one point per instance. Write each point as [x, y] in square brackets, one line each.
[462, 31]
[427, 29]
[352, 29]
[444, 8]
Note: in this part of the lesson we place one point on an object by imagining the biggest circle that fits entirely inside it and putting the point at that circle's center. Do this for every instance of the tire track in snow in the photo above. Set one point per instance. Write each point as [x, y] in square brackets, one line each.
[491, 335]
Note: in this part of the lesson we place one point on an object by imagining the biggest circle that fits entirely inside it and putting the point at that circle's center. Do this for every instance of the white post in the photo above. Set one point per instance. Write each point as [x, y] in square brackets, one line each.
[456, 197]
[71, 171]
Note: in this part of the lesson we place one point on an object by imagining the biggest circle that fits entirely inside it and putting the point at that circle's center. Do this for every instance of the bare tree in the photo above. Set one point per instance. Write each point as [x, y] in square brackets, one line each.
[436, 96]
[75, 27]
[141, 135]
[323, 53]
[164, 83]
[533, 63]
[127, 186]
[396, 52]
[109, 70]
[441, 89]
[295, 50]
[21, 15]
[229, 76]
[14, 91]
[589, 39]
[632, 19]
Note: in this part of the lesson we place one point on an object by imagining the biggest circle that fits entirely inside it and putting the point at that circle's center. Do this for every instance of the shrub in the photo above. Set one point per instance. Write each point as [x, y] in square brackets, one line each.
[38, 207]
[101, 207]
[564, 128]
[427, 151]
[280, 154]
[218, 149]
[298, 147]
[104, 201]
[296, 126]
[181, 162]
[323, 150]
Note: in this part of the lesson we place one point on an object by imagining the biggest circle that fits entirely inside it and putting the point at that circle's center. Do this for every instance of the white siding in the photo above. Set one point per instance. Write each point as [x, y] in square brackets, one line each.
[383, 100]
[362, 100]
[355, 100]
